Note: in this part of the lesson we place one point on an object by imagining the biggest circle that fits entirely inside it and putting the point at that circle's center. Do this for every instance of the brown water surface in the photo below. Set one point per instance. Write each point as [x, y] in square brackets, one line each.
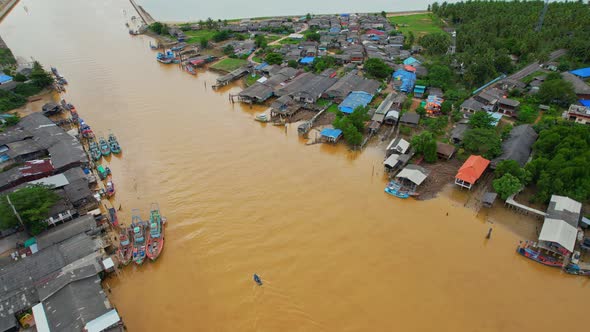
[335, 253]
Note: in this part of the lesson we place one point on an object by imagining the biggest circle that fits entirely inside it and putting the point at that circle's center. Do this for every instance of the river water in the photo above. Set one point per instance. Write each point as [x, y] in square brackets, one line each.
[335, 253]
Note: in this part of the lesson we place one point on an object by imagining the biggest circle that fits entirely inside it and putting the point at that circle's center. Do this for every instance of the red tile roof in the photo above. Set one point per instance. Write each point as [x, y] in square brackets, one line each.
[472, 169]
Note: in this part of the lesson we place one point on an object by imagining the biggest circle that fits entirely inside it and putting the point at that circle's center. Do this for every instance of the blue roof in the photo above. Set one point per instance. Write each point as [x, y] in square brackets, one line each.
[260, 66]
[410, 61]
[354, 100]
[5, 78]
[497, 116]
[331, 133]
[408, 79]
[585, 102]
[307, 60]
[335, 29]
[582, 72]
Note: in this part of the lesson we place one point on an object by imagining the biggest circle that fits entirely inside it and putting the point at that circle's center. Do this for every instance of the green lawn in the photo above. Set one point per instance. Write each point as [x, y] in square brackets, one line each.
[195, 36]
[528, 79]
[290, 41]
[333, 109]
[419, 24]
[229, 64]
[251, 79]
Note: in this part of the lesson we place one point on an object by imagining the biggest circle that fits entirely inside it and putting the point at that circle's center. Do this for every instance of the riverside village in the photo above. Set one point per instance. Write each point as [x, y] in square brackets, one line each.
[510, 128]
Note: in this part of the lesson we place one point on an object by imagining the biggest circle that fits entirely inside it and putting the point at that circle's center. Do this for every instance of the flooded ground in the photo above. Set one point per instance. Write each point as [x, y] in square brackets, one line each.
[334, 252]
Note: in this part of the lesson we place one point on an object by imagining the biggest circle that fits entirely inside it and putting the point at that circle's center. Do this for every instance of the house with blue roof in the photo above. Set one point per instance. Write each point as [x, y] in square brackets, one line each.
[354, 100]
[5, 79]
[404, 80]
[419, 91]
[583, 73]
[411, 61]
[331, 135]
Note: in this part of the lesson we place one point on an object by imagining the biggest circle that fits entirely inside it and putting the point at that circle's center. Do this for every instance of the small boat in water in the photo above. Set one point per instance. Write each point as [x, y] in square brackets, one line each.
[190, 70]
[103, 172]
[178, 47]
[125, 246]
[110, 187]
[262, 117]
[104, 146]
[165, 57]
[139, 240]
[94, 150]
[396, 189]
[114, 144]
[85, 129]
[532, 251]
[155, 242]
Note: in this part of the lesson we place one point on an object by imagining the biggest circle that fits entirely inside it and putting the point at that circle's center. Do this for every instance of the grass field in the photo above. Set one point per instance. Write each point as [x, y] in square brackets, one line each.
[194, 37]
[252, 79]
[419, 24]
[229, 64]
[290, 41]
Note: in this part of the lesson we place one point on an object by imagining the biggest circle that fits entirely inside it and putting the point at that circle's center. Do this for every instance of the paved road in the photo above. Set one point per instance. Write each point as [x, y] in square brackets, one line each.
[526, 71]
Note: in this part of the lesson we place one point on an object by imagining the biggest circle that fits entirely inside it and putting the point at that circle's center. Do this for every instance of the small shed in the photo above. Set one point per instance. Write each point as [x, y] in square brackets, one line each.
[488, 199]
[331, 135]
[419, 91]
[392, 117]
[413, 175]
[410, 119]
[396, 161]
[445, 151]
[398, 145]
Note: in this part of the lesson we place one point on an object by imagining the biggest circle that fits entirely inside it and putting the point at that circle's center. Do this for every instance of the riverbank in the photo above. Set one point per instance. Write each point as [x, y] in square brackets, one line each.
[6, 6]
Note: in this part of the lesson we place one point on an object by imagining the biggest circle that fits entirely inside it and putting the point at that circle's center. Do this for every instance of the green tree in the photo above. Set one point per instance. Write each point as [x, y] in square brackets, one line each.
[32, 204]
[39, 76]
[383, 13]
[484, 142]
[436, 43]
[425, 144]
[320, 64]
[260, 41]
[274, 58]
[228, 50]
[308, 17]
[358, 117]
[481, 120]
[351, 134]
[220, 36]
[440, 76]
[377, 68]
[513, 168]
[292, 63]
[204, 42]
[557, 91]
[20, 77]
[312, 36]
[527, 114]
[421, 110]
[156, 27]
[446, 107]
[507, 185]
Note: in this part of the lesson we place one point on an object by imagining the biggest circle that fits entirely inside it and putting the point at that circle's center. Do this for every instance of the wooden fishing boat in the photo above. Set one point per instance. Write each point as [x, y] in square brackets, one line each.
[262, 117]
[114, 144]
[190, 70]
[103, 172]
[155, 242]
[94, 150]
[139, 240]
[397, 190]
[125, 246]
[531, 251]
[85, 129]
[110, 187]
[165, 57]
[105, 150]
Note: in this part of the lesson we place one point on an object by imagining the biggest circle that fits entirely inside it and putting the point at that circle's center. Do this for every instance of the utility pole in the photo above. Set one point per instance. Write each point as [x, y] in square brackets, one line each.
[14, 210]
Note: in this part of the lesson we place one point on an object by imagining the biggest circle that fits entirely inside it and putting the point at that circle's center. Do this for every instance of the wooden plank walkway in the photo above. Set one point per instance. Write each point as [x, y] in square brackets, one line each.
[523, 208]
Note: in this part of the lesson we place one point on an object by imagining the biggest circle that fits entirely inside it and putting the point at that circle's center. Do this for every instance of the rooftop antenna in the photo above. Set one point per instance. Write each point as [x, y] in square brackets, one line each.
[542, 17]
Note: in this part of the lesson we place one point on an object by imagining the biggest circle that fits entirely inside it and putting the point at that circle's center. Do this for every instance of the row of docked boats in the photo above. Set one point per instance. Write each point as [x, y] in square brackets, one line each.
[103, 147]
[142, 239]
[167, 57]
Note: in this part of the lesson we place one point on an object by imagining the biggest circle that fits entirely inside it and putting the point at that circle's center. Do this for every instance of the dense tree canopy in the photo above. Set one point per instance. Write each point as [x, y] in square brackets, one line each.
[560, 163]
[484, 142]
[489, 31]
[557, 91]
[377, 68]
[32, 204]
[507, 185]
[481, 120]
[274, 58]
[425, 144]
[436, 43]
[352, 125]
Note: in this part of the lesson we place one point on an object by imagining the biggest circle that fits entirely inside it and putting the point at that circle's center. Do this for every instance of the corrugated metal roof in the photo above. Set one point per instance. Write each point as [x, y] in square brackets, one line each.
[559, 231]
[414, 173]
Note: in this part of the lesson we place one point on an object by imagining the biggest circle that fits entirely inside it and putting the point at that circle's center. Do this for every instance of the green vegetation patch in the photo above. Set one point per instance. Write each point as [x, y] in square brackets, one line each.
[290, 41]
[195, 36]
[229, 64]
[6, 57]
[419, 24]
[251, 79]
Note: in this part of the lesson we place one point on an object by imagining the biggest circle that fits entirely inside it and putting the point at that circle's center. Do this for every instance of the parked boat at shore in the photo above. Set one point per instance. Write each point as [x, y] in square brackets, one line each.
[155, 242]
[114, 144]
[139, 240]
[125, 246]
[105, 150]
[532, 251]
[110, 187]
[166, 57]
[397, 190]
[85, 129]
[262, 118]
[94, 150]
[103, 172]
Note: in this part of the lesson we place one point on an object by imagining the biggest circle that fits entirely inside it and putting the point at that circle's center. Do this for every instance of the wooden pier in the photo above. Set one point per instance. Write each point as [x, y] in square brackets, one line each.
[232, 76]
[510, 202]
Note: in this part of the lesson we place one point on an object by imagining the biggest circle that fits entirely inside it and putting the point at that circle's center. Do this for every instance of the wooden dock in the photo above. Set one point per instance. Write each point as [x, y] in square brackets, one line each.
[510, 202]
[145, 16]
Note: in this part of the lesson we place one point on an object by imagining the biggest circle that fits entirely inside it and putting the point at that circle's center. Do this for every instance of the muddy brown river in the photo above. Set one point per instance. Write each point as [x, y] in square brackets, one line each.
[335, 253]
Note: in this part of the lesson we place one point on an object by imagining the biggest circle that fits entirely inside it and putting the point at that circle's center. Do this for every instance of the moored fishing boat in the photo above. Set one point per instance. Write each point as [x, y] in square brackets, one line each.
[125, 246]
[94, 150]
[190, 70]
[85, 129]
[103, 172]
[155, 242]
[262, 117]
[110, 187]
[532, 251]
[397, 190]
[165, 57]
[139, 240]
[114, 144]
[105, 150]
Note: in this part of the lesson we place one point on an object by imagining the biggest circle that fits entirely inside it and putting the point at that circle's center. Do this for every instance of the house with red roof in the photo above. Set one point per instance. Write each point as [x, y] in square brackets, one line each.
[471, 171]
